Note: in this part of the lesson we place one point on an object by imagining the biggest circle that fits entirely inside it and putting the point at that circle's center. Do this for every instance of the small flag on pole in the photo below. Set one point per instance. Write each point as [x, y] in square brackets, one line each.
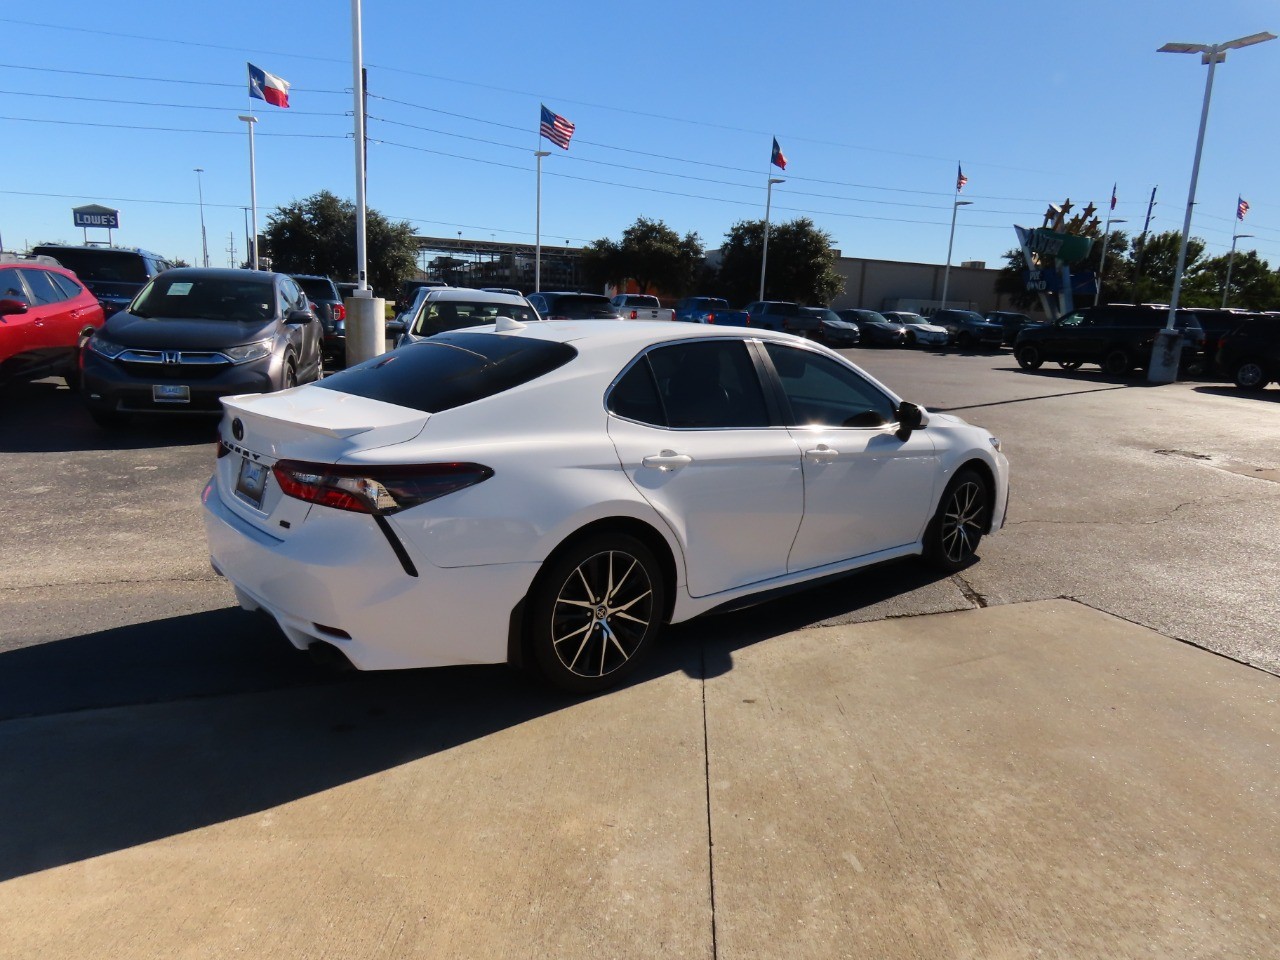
[776, 157]
[556, 129]
[1113, 196]
[1242, 207]
[961, 179]
[268, 87]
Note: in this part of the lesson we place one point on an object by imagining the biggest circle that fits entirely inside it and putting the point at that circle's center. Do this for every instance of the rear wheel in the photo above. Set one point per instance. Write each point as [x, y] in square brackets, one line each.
[596, 610]
[1028, 357]
[965, 341]
[1250, 375]
[952, 537]
[1117, 362]
[1069, 364]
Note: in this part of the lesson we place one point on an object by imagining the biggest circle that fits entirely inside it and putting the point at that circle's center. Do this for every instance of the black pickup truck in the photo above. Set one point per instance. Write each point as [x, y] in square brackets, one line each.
[1117, 337]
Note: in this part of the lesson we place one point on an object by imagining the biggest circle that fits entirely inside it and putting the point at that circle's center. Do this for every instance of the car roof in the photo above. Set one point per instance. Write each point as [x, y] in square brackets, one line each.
[219, 273]
[473, 296]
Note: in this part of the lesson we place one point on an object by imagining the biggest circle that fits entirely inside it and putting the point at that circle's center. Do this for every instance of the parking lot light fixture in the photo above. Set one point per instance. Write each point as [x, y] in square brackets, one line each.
[1168, 346]
[946, 274]
[204, 237]
[1226, 287]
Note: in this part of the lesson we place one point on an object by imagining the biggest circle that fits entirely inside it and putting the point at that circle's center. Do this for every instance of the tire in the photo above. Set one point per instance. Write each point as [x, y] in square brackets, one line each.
[109, 419]
[1117, 362]
[1250, 375]
[952, 537]
[965, 341]
[585, 638]
[290, 378]
[911, 338]
[1069, 364]
[1028, 357]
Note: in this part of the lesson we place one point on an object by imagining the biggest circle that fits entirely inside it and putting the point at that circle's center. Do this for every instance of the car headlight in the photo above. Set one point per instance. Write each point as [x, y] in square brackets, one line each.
[250, 351]
[995, 442]
[108, 348]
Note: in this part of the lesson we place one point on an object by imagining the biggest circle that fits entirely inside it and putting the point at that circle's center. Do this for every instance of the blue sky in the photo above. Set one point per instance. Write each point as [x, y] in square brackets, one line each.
[675, 104]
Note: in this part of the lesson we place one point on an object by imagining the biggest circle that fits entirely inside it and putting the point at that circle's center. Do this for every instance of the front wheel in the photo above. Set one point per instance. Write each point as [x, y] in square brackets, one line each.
[596, 610]
[1117, 363]
[1250, 376]
[1028, 357]
[965, 341]
[1069, 364]
[952, 538]
[109, 419]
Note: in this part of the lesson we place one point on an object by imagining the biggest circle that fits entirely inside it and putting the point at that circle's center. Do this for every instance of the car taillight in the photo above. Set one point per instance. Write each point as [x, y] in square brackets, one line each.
[379, 490]
[634, 315]
[339, 312]
[711, 318]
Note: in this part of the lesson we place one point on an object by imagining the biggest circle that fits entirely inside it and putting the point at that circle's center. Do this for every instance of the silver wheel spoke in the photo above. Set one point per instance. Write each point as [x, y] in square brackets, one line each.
[613, 592]
[582, 646]
[590, 593]
[576, 603]
[631, 603]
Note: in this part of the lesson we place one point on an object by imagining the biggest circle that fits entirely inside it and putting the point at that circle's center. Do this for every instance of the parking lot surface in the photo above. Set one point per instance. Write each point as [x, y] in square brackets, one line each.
[1019, 759]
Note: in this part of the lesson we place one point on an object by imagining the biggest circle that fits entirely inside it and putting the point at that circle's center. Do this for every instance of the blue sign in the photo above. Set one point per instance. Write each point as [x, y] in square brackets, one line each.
[96, 216]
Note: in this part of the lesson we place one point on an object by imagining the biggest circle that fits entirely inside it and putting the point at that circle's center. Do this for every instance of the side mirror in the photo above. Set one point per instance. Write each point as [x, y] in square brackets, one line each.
[395, 328]
[10, 306]
[910, 419]
[299, 316]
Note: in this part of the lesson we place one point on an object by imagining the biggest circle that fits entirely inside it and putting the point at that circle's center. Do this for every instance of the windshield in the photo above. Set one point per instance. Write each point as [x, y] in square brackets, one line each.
[823, 314]
[912, 318]
[247, 299]
[117, 266]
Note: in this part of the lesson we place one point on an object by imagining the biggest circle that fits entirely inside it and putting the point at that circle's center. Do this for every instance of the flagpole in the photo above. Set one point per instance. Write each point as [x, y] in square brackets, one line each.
[768, 203]
[250, 119]
[357, 66]
[1106, 238]
[1235, 226]
[537, 256]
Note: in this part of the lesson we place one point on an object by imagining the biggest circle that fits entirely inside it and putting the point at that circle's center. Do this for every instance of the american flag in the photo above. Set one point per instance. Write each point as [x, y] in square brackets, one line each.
[1242, 207]
[961, 179]
[556, 129]
[1113, 196]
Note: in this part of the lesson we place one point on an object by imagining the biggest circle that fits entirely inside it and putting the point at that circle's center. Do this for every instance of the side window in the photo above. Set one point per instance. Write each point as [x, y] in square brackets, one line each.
[43, 289]
[297, 295]
[67, 285]
[635, 396]
[11, 287]
[709, 384]
[1071, 320]
[824, 392]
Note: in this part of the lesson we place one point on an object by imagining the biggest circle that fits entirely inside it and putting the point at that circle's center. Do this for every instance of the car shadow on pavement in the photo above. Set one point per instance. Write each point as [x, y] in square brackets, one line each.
[47, 417]
[1229, 390]
[224, 719]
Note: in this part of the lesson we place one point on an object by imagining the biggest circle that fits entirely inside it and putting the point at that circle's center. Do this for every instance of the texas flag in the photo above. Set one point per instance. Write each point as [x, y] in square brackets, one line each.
[268, 87]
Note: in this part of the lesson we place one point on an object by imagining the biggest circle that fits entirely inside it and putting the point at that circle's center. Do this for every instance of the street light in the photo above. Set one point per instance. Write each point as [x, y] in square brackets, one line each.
[946, 274]
[1226, 287]
[253, 192]
[537, 236]
[1168, 346]
[204, 238]
[1102, 261]
[764, 256]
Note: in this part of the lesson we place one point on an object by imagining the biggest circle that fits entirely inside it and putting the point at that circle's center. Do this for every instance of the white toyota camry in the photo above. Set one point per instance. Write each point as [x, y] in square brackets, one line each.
[550, 495]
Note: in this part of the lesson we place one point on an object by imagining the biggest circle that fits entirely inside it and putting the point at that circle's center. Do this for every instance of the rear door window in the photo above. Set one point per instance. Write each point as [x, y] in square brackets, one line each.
[42, 287]
[709, 384]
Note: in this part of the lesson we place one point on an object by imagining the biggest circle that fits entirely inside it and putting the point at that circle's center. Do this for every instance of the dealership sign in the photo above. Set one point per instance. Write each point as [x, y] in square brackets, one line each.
[97, 216]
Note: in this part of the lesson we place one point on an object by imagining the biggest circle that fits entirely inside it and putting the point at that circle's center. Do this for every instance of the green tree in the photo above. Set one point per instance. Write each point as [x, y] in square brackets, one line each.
[1254, 285]
[801, 263]
[1158, 263]
[650, 253]
[602, 264]
[318, 235]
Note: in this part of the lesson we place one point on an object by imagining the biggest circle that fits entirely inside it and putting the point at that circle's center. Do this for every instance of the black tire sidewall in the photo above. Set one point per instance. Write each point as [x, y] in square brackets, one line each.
[1028, 357]
[933, 551]
[545, 589]
[1263, 379]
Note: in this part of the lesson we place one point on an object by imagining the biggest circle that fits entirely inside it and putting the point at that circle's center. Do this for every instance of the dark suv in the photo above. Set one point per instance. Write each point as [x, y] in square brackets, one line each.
[1117, 337]
[573, 306]
[112, 274]
[1250, 354]
[327, 303]
[969, 329]
[782, 315]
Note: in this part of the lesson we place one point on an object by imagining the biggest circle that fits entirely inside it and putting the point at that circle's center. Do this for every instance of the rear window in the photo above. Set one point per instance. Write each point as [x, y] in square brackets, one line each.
[581, 306]
[317, 288]
[639, 301]
[450, 370]
[437, 316]
[115, 266]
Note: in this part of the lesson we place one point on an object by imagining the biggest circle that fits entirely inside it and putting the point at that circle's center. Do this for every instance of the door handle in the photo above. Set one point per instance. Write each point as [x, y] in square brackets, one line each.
[822, 454]
[667, 460]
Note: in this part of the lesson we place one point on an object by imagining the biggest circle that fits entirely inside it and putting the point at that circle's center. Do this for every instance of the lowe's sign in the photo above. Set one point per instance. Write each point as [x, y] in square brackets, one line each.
[96, 216]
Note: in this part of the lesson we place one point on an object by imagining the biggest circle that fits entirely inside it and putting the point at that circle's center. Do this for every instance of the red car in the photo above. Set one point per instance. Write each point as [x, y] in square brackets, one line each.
[46, 315]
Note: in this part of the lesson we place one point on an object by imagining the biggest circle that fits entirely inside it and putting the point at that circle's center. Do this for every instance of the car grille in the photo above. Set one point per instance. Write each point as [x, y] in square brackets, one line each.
[183, 365]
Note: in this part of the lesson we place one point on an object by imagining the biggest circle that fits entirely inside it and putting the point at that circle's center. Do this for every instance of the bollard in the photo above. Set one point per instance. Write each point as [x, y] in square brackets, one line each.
[1166, 353]
[366, 328]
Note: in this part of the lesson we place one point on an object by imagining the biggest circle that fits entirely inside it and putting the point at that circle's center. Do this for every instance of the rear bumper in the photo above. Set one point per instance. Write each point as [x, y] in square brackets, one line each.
[336, 579]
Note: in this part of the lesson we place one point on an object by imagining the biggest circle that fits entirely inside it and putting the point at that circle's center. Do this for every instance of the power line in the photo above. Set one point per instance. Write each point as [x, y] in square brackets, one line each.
[126, 126]
[150, 103]
[126, 76]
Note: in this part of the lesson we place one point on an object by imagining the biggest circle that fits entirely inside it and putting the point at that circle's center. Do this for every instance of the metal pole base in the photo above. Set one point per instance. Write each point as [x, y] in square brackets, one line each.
[1165, 356]
[366, 328]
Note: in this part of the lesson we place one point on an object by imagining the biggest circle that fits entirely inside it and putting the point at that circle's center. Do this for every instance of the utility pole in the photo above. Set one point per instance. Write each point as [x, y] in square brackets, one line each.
[1142, 245]
[231, 248]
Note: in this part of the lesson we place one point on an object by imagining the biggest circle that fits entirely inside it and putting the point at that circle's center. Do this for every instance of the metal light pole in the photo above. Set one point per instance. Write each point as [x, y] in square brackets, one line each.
[1168, 347]
[946, 274]
[250, 119]
[1102, 261]
[1226, 288]
[764, 256]
[204, 237]
[366, 314]
[537, 236]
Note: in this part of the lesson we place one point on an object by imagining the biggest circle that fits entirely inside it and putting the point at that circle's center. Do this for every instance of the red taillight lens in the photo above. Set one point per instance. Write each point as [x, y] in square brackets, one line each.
[339, 312]
[711, 318]
[375, 489]
[633, 314]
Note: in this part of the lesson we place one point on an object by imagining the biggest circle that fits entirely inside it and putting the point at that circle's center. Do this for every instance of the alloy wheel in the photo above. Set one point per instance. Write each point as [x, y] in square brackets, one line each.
[962, 521]
[601, 614]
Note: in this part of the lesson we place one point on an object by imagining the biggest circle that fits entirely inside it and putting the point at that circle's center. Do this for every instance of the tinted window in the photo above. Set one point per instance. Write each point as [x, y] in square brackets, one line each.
[822, 391]
[580, 307]
[66, 284]
[709, 383]
[450, 370]
[196, 296]
[118, 266]
[42, 286]
[11, 287]
[441, 315]
[317, 288]
[635, 396]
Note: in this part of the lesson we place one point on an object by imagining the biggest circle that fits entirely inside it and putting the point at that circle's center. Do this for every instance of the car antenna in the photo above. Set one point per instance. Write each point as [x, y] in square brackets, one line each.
[507, 325]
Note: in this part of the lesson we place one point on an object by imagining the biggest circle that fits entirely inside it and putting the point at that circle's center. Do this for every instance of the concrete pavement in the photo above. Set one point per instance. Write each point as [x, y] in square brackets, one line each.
[1035, 779]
